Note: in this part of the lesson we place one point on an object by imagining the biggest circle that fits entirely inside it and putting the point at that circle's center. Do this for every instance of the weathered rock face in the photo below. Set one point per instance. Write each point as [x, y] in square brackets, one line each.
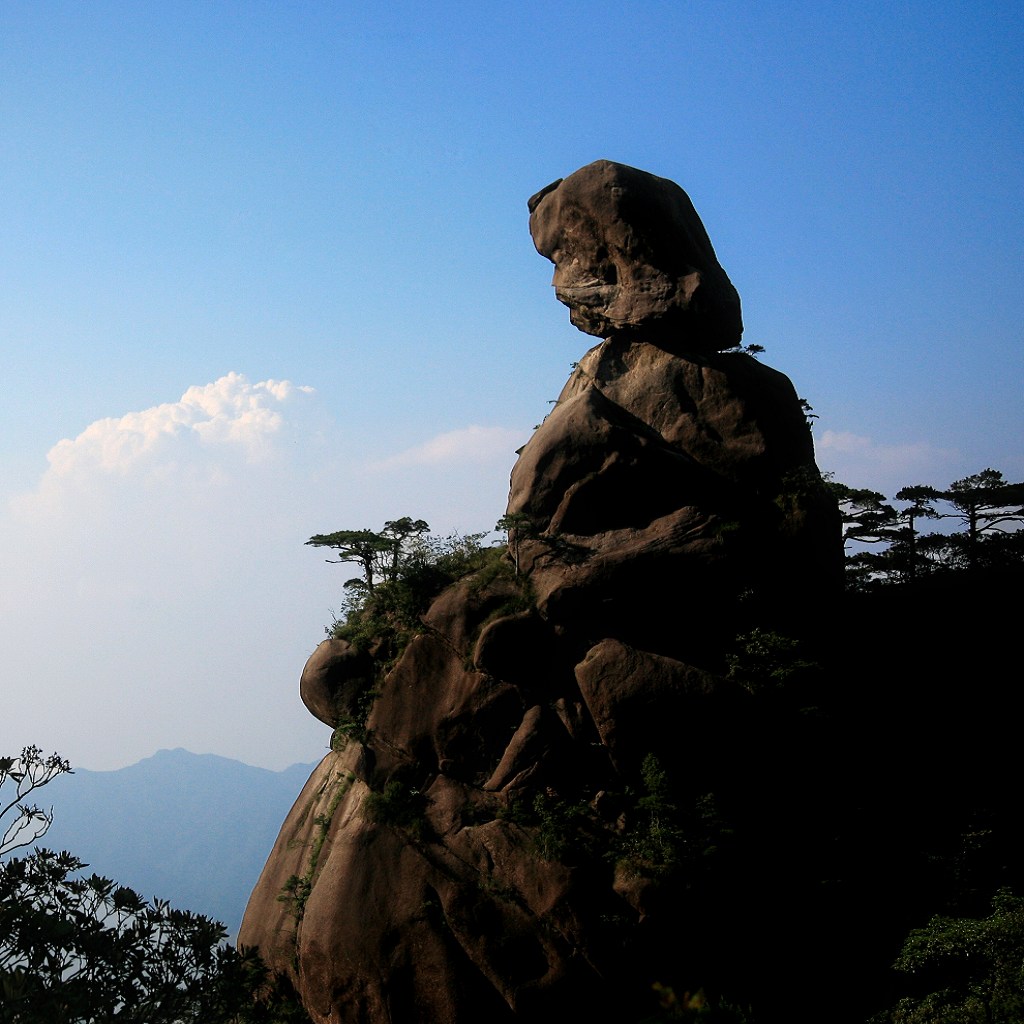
[483, 850]
[682, 484]
[632, 255]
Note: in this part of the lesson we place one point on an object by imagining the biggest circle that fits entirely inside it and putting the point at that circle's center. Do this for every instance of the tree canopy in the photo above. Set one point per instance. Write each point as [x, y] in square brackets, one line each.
[886, 544]
[985, 503]
[77, 948]
[379, 554]
[974, 966]
[403, 566]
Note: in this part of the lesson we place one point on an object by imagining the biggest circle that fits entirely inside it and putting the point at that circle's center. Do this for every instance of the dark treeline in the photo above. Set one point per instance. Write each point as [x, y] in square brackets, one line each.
[918, 758]
[890, 543]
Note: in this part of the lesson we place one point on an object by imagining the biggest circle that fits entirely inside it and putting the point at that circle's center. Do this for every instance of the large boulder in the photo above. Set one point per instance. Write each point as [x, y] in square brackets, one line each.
[490, 844]
[335, 678]
[632, 255]
[662, 489]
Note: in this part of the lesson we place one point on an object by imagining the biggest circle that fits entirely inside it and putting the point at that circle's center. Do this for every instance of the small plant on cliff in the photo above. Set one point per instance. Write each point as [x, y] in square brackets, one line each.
[517, 527]
[666, 830]
[562, 829]
[763, 660]
[353, 727]
[398, 806]
[808, 410]
[297, 889]
[695, 1006]
[655, 840]
[753, 350]
[378, 554]
[521, 526]
[798, 488]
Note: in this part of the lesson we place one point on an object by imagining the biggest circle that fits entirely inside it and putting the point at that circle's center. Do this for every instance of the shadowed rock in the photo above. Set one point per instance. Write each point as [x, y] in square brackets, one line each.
[675, 485]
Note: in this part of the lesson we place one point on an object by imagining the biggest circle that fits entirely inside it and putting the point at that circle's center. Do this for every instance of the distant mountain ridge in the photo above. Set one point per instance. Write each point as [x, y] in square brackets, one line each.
[194, 829]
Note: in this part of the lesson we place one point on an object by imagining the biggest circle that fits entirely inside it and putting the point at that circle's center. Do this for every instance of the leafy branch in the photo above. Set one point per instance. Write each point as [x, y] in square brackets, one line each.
[28, 772]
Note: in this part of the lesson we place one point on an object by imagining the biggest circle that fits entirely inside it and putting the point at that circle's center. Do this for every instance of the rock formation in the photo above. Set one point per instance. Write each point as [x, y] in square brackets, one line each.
[524, 827]
[631, 255]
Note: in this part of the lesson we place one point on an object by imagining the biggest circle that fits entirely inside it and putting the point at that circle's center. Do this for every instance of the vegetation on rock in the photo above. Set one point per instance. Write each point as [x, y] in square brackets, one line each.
[403, 568]
[398, 806]
[296, 889]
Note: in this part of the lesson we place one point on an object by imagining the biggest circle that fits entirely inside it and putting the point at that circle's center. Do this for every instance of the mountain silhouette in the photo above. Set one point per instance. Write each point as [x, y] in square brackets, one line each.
[193, 829]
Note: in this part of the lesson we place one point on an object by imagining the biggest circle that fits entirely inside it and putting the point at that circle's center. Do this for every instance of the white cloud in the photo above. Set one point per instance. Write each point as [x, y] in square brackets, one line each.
[862, 462]
[228, 411]
[470, 444]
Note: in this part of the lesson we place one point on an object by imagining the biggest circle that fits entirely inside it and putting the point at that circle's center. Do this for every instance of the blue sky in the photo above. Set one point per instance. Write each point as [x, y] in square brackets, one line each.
[266, 273]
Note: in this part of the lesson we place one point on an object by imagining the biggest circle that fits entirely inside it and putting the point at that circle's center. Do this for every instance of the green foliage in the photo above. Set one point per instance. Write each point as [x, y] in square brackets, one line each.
[564, 828]
[77, 948]
[799, 488]
[377, 554]
[752, 350]
[517, 526]
[398, 806]
[976, 964]
[353, 727]
[295, 892]
[651, 830]
[274, 999]
[567, 830]
[984, 502]
[407, 569]
[867, 518]
[84, 948]
[665, 832]
[808, 410]
[497, 566]
[765, 661]
[695, 1006]
[655, 840]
